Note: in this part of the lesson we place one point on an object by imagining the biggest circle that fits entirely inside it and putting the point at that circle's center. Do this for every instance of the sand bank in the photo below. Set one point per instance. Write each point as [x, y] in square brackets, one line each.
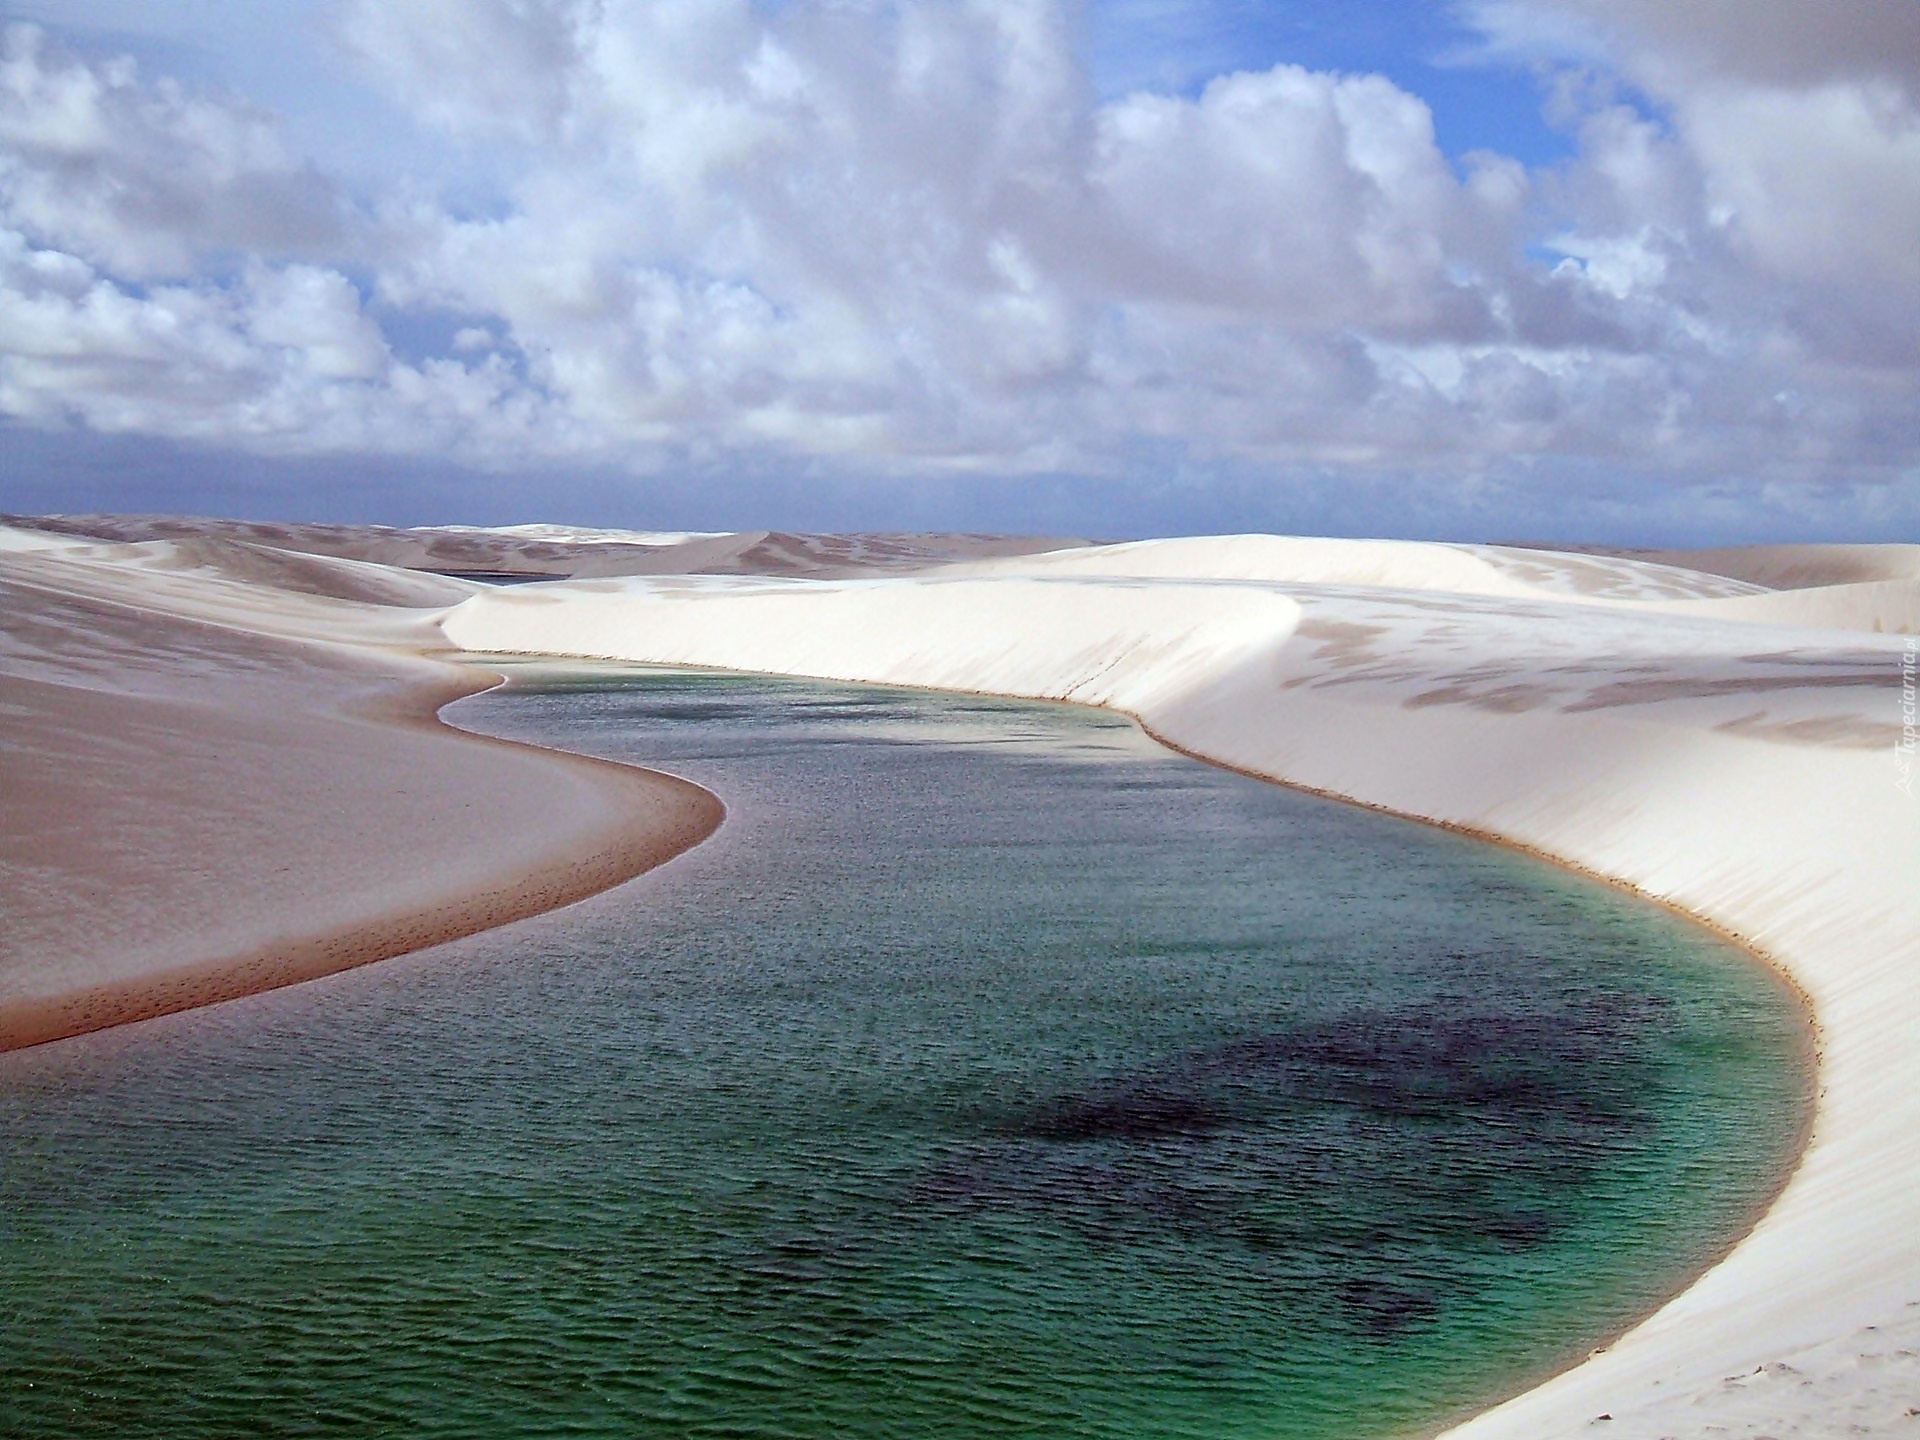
[215, 786]
[1724, 747]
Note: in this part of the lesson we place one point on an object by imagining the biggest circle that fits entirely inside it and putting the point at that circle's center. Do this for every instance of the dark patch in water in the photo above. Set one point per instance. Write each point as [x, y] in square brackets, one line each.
[1532, 1070]
[1401, 1129]
[1388, 1309]
[1146, 1113]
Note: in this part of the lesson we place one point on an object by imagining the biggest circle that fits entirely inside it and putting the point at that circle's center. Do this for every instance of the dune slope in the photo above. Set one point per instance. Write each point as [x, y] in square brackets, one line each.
[203, 801]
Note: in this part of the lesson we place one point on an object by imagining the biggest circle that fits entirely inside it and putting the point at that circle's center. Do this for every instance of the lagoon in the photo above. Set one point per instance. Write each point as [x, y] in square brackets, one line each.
[993, 1071]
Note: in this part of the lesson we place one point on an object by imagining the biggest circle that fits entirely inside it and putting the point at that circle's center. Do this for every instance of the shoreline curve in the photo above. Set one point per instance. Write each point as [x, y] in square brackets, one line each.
[1809, 1057]
[678, 815]
[1731, 769]
[214, 788]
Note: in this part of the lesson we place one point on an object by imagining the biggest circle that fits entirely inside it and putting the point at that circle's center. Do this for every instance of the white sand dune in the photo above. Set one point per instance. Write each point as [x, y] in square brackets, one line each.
[222, 773]
[1725, 737]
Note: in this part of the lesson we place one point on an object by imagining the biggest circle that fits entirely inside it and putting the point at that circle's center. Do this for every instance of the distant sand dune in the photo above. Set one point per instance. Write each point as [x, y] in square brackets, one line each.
[556, 550]
[1799, 567]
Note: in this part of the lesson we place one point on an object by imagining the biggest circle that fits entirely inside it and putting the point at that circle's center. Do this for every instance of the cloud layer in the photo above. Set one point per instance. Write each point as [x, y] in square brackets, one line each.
[908, 238]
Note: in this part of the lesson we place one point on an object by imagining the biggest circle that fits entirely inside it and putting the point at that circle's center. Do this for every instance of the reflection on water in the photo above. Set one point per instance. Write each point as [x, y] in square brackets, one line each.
[992, 1072]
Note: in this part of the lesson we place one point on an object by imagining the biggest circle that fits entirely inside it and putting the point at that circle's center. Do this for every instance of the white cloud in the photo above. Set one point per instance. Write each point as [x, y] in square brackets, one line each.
[1318, 200]
[1794, 141]
[315, 315]
[916, 226]
[905, 236]
[473, 64]
[283, 359]
[143, 176]
[1764, 42]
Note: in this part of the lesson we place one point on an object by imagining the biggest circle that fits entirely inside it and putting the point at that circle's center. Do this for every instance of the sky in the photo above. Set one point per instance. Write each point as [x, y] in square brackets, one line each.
[1606, 271]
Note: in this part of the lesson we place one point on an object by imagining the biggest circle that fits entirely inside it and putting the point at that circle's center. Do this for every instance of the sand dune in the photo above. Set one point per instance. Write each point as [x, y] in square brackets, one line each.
[1382, 564]
[555, 550]
[213, 787]
[1727, 736]
[1798, 567]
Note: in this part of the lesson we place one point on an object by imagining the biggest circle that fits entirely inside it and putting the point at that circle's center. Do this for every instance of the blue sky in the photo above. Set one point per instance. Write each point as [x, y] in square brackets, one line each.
[1479, 102]
[1576, 269]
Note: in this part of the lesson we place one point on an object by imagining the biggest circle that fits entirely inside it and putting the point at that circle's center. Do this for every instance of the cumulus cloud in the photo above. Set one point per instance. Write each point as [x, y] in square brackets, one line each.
[1794, 144]
[283, 359]
[907, 237]
[912, 231]
[1767, 42]
[145, 176]
[474, 64]
[1316, 199]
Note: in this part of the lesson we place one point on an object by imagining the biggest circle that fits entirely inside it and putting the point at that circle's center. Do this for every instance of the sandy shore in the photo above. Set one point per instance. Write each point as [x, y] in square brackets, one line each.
[204, 798]
[1728, 733]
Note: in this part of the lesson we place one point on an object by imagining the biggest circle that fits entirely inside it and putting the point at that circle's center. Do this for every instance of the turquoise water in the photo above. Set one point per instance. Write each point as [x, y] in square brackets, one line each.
[993, 1072]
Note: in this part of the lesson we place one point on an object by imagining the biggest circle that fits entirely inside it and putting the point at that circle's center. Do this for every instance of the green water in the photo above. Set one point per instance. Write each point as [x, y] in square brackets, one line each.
[991, 1073]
